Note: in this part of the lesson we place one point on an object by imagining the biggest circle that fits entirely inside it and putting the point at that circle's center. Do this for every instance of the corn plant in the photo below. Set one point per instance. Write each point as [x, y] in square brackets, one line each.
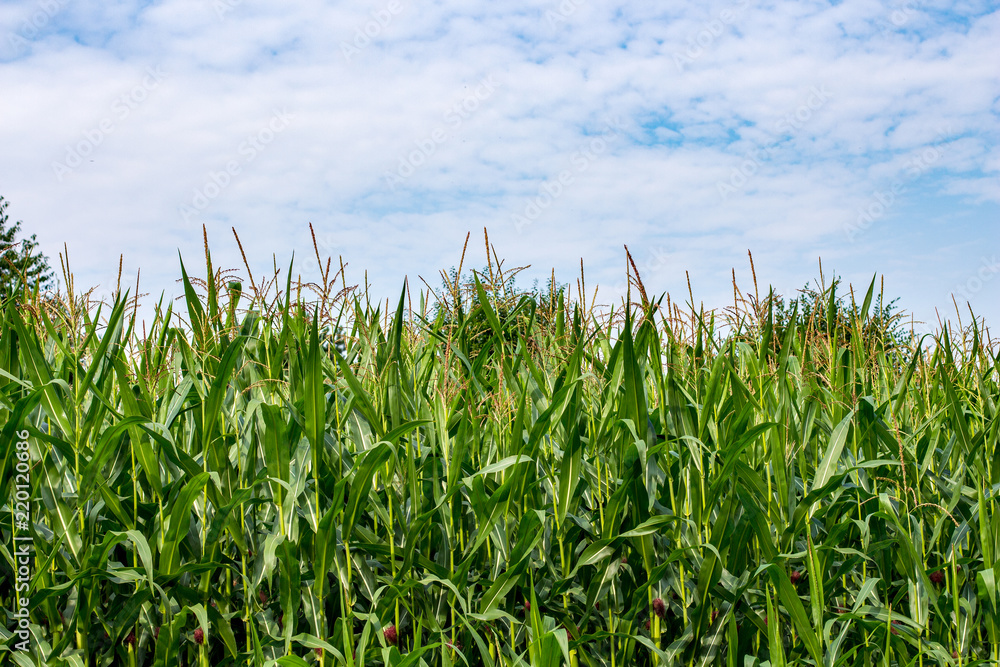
[283, 473]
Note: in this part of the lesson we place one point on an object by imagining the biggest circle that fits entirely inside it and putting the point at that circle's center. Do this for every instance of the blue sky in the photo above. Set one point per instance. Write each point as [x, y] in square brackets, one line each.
[862, 132]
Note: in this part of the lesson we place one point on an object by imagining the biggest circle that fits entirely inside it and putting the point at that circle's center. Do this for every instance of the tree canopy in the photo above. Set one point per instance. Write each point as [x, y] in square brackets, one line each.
[21, 264]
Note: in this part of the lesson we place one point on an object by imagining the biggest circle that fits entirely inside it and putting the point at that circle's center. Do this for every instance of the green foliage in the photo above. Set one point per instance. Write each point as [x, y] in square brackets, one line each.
[825, 311]
[22, 267]
[520, 312]
[238, 490]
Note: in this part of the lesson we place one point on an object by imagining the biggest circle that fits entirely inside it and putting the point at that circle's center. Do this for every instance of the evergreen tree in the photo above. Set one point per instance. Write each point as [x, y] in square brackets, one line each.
[20, 262]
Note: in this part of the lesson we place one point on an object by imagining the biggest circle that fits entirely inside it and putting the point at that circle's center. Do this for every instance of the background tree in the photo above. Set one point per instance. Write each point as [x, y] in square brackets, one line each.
[823, 311]
[20, 262]
[458, 307]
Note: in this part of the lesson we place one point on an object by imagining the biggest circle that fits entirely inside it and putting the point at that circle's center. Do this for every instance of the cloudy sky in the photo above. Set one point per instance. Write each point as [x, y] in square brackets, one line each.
[862, 132]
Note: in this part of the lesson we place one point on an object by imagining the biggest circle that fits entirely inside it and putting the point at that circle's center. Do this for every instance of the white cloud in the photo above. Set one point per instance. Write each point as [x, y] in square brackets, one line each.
[897, 74]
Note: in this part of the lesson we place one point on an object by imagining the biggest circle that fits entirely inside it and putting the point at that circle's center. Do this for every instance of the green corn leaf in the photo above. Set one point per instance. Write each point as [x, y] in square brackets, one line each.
[831, 457]
[177, 528]
[365, 466]
[789, 599]
[315, 393]
[33, 360]
[325, 549]
[289, 587]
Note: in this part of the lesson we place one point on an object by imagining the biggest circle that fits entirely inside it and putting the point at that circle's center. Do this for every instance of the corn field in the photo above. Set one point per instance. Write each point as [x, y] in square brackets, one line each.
[281, 473]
